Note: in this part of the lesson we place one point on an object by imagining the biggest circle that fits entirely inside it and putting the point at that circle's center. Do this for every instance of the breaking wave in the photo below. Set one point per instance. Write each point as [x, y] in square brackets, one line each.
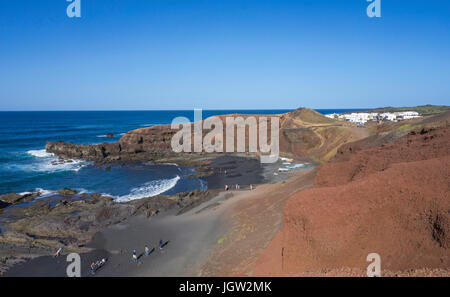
[44, 193]
[40, 153]
[48, 162]
[150, 189]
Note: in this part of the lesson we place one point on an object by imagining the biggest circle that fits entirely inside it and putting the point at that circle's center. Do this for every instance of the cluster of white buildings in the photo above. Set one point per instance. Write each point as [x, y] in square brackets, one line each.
[362, 117]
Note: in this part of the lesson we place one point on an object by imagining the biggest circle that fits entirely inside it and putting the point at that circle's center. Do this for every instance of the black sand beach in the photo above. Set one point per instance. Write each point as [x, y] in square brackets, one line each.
[188, 237]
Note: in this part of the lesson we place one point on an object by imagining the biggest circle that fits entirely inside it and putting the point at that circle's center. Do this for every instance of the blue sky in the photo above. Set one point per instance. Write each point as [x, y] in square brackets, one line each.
[223, 54]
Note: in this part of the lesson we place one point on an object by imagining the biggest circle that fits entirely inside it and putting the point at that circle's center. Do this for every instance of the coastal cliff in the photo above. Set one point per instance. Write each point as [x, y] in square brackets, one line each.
[382, 194]
[303, 133]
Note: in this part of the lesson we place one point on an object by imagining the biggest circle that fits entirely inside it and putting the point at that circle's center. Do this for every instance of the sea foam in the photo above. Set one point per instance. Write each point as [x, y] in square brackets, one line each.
[40, 153]
[44, 193]
[150, 189]
[45, 160]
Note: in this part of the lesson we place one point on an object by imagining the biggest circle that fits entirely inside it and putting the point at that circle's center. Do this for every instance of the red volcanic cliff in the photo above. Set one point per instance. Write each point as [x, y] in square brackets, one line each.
[392, 200]
[427, 144]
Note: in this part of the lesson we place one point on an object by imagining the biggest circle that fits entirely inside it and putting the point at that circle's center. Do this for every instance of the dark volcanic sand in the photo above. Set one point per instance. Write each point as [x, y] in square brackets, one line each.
[190, 237]
[49, 266]
[239, 170]
[245, 171]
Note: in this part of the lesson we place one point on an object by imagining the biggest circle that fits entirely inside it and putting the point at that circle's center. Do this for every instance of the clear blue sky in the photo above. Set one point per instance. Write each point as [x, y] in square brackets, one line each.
[223, 54]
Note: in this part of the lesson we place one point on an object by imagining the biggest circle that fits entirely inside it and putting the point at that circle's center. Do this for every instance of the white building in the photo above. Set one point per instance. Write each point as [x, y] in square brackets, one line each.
[363, 117]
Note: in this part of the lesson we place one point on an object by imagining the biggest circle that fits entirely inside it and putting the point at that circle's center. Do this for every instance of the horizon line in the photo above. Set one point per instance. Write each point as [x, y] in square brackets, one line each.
[218, 109]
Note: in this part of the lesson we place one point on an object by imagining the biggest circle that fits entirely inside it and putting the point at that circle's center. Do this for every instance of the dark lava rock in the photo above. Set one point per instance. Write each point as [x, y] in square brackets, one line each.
[14, 198]
[110, 135]
[4, 204]
[10, 198]
[72, 222]
[67, 192]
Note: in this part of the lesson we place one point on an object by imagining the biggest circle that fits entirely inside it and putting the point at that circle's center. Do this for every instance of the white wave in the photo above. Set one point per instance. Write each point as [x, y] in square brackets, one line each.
[48, 162]
[82, 191]
[75, 165]
[122, 134]
[102, 136]
[150, 189]
[43, 193]
[170, 164]
[40, 153]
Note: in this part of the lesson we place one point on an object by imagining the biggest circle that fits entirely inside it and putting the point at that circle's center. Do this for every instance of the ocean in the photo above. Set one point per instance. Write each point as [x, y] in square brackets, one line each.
[26, 167]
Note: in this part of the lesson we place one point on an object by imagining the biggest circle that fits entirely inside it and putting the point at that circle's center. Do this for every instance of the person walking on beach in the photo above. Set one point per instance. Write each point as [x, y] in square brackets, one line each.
[226, 187]
[251, 187]
[135, 259]
[147, 251]
[102, 262]
[93, 266]
[161, 244]
[58, 252]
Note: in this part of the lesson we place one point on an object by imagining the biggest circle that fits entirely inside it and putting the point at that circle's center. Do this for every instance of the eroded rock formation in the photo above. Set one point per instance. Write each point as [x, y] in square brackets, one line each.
[303, 133]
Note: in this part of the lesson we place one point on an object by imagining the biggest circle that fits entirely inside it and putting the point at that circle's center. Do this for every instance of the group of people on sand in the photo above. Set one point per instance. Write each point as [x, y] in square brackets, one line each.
[147, 251]
[94, 266]
[97, 265]
[100, 263]
[237, 187]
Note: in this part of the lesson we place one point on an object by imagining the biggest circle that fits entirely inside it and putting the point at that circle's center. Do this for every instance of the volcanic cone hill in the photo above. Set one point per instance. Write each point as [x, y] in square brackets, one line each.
[390, 198]
[307, 133]
[303, 133]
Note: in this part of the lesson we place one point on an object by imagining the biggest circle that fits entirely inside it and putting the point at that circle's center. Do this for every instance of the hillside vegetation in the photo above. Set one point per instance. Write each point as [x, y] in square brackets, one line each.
[422, 110]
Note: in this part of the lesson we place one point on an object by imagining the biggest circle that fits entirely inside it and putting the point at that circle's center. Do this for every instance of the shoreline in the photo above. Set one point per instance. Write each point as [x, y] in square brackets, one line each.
[237, 171]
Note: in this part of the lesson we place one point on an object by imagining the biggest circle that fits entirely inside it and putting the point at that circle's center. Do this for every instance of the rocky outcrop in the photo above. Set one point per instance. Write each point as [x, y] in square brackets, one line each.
[110, 151]
[148, 144]
[4, 204]
[14, 198]
[72, 219]
[67, 192]
[303, 133]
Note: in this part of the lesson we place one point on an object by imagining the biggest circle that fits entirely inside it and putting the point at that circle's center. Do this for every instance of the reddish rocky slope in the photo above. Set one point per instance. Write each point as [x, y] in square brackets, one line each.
[392, 200]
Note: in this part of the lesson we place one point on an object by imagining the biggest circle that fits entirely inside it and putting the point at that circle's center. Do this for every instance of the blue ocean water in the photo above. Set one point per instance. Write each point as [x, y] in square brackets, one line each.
[26, 167]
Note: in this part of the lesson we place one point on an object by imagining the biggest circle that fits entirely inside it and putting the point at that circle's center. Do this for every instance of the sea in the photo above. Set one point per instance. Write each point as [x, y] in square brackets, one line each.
[26, 167]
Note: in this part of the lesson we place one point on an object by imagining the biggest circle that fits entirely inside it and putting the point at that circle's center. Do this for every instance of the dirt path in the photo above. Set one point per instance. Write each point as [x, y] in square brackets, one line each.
[255, 218]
